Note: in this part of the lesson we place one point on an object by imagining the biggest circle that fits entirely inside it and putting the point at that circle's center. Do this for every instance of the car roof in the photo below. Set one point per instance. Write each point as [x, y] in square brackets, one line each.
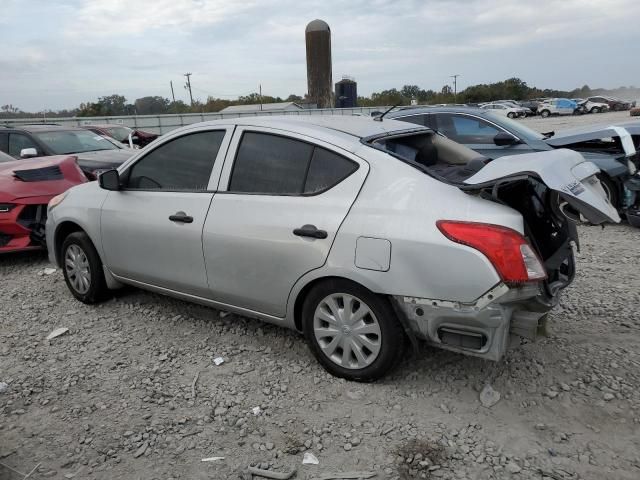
[347, 128]
[45, 128]
[418, 110]
[104, 125]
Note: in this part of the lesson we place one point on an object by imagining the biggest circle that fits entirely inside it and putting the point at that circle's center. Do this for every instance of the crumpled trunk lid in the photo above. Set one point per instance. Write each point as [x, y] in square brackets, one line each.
[564, 171]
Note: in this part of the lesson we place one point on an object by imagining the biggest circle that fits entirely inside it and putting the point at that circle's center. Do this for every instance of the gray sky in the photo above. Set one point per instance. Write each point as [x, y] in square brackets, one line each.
[57, 53]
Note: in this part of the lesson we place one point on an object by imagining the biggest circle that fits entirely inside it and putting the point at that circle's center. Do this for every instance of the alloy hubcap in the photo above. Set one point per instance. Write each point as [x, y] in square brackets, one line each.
[76, 265]
[347, 331]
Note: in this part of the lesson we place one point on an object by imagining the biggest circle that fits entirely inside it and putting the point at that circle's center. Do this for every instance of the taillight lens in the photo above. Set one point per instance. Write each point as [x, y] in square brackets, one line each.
[507, 250]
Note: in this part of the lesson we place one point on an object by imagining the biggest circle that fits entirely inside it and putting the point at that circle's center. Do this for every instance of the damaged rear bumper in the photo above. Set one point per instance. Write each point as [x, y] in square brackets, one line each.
[483, 328]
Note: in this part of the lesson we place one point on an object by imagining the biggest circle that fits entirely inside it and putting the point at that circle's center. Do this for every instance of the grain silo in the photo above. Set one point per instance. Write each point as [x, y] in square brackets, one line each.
[319, 82]
[346, 93]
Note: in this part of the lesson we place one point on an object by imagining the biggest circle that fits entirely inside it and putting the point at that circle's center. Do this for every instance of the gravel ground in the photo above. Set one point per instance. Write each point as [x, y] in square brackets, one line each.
[131, 391]
[114, 397]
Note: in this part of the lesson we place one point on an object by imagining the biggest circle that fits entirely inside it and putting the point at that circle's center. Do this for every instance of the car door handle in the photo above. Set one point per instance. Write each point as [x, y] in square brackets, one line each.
[310, 231]
[181, 217]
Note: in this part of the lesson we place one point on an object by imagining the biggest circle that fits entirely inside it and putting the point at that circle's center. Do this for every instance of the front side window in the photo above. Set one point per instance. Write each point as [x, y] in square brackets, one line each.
[276, 165]
[466, 129]
[184, 163]
[17, 142]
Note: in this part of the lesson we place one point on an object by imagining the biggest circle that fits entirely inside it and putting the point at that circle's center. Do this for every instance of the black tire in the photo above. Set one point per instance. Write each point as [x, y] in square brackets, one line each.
[392, 336]
[545, 113]
[611, 190]
[97, 289]
[511, 115]
[595, 110]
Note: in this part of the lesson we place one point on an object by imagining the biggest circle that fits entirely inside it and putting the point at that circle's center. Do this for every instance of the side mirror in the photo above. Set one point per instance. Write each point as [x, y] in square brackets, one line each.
[28, 153]
[504, 139]
[109, 180]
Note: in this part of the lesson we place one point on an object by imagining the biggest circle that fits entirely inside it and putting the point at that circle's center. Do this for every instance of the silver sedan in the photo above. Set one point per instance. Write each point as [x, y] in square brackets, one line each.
[360, 234]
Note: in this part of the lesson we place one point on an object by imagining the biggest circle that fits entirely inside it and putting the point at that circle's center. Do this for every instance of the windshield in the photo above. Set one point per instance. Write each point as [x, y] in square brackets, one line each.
[119, 133]
[74, 141]
[516, 127]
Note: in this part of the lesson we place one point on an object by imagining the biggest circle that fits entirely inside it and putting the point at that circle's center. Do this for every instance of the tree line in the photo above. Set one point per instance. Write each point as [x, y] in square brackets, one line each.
[512, 88]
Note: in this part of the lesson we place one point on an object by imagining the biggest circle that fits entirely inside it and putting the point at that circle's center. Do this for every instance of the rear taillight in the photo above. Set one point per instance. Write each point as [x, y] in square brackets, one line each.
[507, 250]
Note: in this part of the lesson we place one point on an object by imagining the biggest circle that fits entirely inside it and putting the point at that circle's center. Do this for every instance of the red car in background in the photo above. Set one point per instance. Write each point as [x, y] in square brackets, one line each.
[122, 134]
[26, 186]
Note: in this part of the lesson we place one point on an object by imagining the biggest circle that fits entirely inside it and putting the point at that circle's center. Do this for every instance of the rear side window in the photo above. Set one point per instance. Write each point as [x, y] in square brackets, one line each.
[276, 165]
[181, 164]
[417, 119]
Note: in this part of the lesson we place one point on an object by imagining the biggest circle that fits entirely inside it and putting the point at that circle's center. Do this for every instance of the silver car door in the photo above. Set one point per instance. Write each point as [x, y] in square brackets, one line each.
[564, 171]
[264, 232]
[152, 227]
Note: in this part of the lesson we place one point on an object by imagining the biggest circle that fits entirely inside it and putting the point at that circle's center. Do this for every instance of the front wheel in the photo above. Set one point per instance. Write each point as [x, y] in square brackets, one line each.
[595, 110]
[352, 332]
[511, 115]
[545, 113]
[610, 189]
[83, 269]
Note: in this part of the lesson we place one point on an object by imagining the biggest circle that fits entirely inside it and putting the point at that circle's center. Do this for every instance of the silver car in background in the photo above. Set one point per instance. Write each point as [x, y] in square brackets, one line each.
[361, 234]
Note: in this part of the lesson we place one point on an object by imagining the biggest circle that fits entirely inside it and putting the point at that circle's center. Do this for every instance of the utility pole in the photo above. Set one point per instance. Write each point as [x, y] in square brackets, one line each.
[173, 95]
[188, 86]
[455, 86]
[260, 95]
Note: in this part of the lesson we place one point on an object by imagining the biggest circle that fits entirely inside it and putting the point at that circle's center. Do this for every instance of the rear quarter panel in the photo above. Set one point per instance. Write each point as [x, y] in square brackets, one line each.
[401, 204]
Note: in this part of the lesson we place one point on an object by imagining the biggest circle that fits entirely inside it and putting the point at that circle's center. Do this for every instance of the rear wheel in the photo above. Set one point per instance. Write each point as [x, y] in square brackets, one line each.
[545, 113]
[595, 110]
[83, 269]
[511, 115]
[352, 332]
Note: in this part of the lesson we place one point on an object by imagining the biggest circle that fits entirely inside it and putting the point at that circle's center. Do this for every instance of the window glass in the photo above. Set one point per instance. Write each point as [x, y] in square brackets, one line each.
[327, 169]
[276, 165]
[182, 164]
[465, 129]
[417, 119]
[17, 142]
[4, 142]
[270, 164]
[62, 142]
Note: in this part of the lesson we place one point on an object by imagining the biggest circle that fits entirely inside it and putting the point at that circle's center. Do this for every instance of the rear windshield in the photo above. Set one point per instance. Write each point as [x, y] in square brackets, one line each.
[74, 141]
[434, 154]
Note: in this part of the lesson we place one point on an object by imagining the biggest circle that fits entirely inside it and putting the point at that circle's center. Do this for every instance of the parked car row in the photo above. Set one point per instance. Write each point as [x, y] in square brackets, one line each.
[362, 234]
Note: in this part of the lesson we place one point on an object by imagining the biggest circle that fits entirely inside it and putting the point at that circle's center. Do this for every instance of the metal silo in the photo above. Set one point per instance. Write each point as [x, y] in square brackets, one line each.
[319, 82]
[346, 93]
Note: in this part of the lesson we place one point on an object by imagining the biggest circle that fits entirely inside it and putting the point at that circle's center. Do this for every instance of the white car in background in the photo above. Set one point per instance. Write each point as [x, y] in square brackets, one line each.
[557, 106]
[506, 110]
[590, 106]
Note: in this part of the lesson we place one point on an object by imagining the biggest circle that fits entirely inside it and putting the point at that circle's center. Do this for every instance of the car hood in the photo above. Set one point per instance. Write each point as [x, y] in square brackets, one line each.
[47, 176]
[595, 132]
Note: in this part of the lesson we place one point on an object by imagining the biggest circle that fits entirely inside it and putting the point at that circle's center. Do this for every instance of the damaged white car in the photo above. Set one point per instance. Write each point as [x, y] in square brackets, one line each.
[361, 234]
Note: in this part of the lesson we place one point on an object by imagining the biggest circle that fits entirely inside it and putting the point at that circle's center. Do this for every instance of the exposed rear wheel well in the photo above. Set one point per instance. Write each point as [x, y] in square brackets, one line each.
[63, 231]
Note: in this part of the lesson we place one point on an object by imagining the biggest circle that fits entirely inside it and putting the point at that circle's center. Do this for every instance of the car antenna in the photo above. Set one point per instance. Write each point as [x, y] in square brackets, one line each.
[380, 117]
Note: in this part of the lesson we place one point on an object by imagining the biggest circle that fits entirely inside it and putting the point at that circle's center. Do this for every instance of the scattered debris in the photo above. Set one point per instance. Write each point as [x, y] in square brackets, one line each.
[218, 361]
[141, 450]
[269, 474]
[310, 459]
[244, 369]
[347, 475]
[489, 397]
[212, 459]
[256, 410]
[193, 385]
[24, 475]
[57, 332]
[49, 271]
[3, 387]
